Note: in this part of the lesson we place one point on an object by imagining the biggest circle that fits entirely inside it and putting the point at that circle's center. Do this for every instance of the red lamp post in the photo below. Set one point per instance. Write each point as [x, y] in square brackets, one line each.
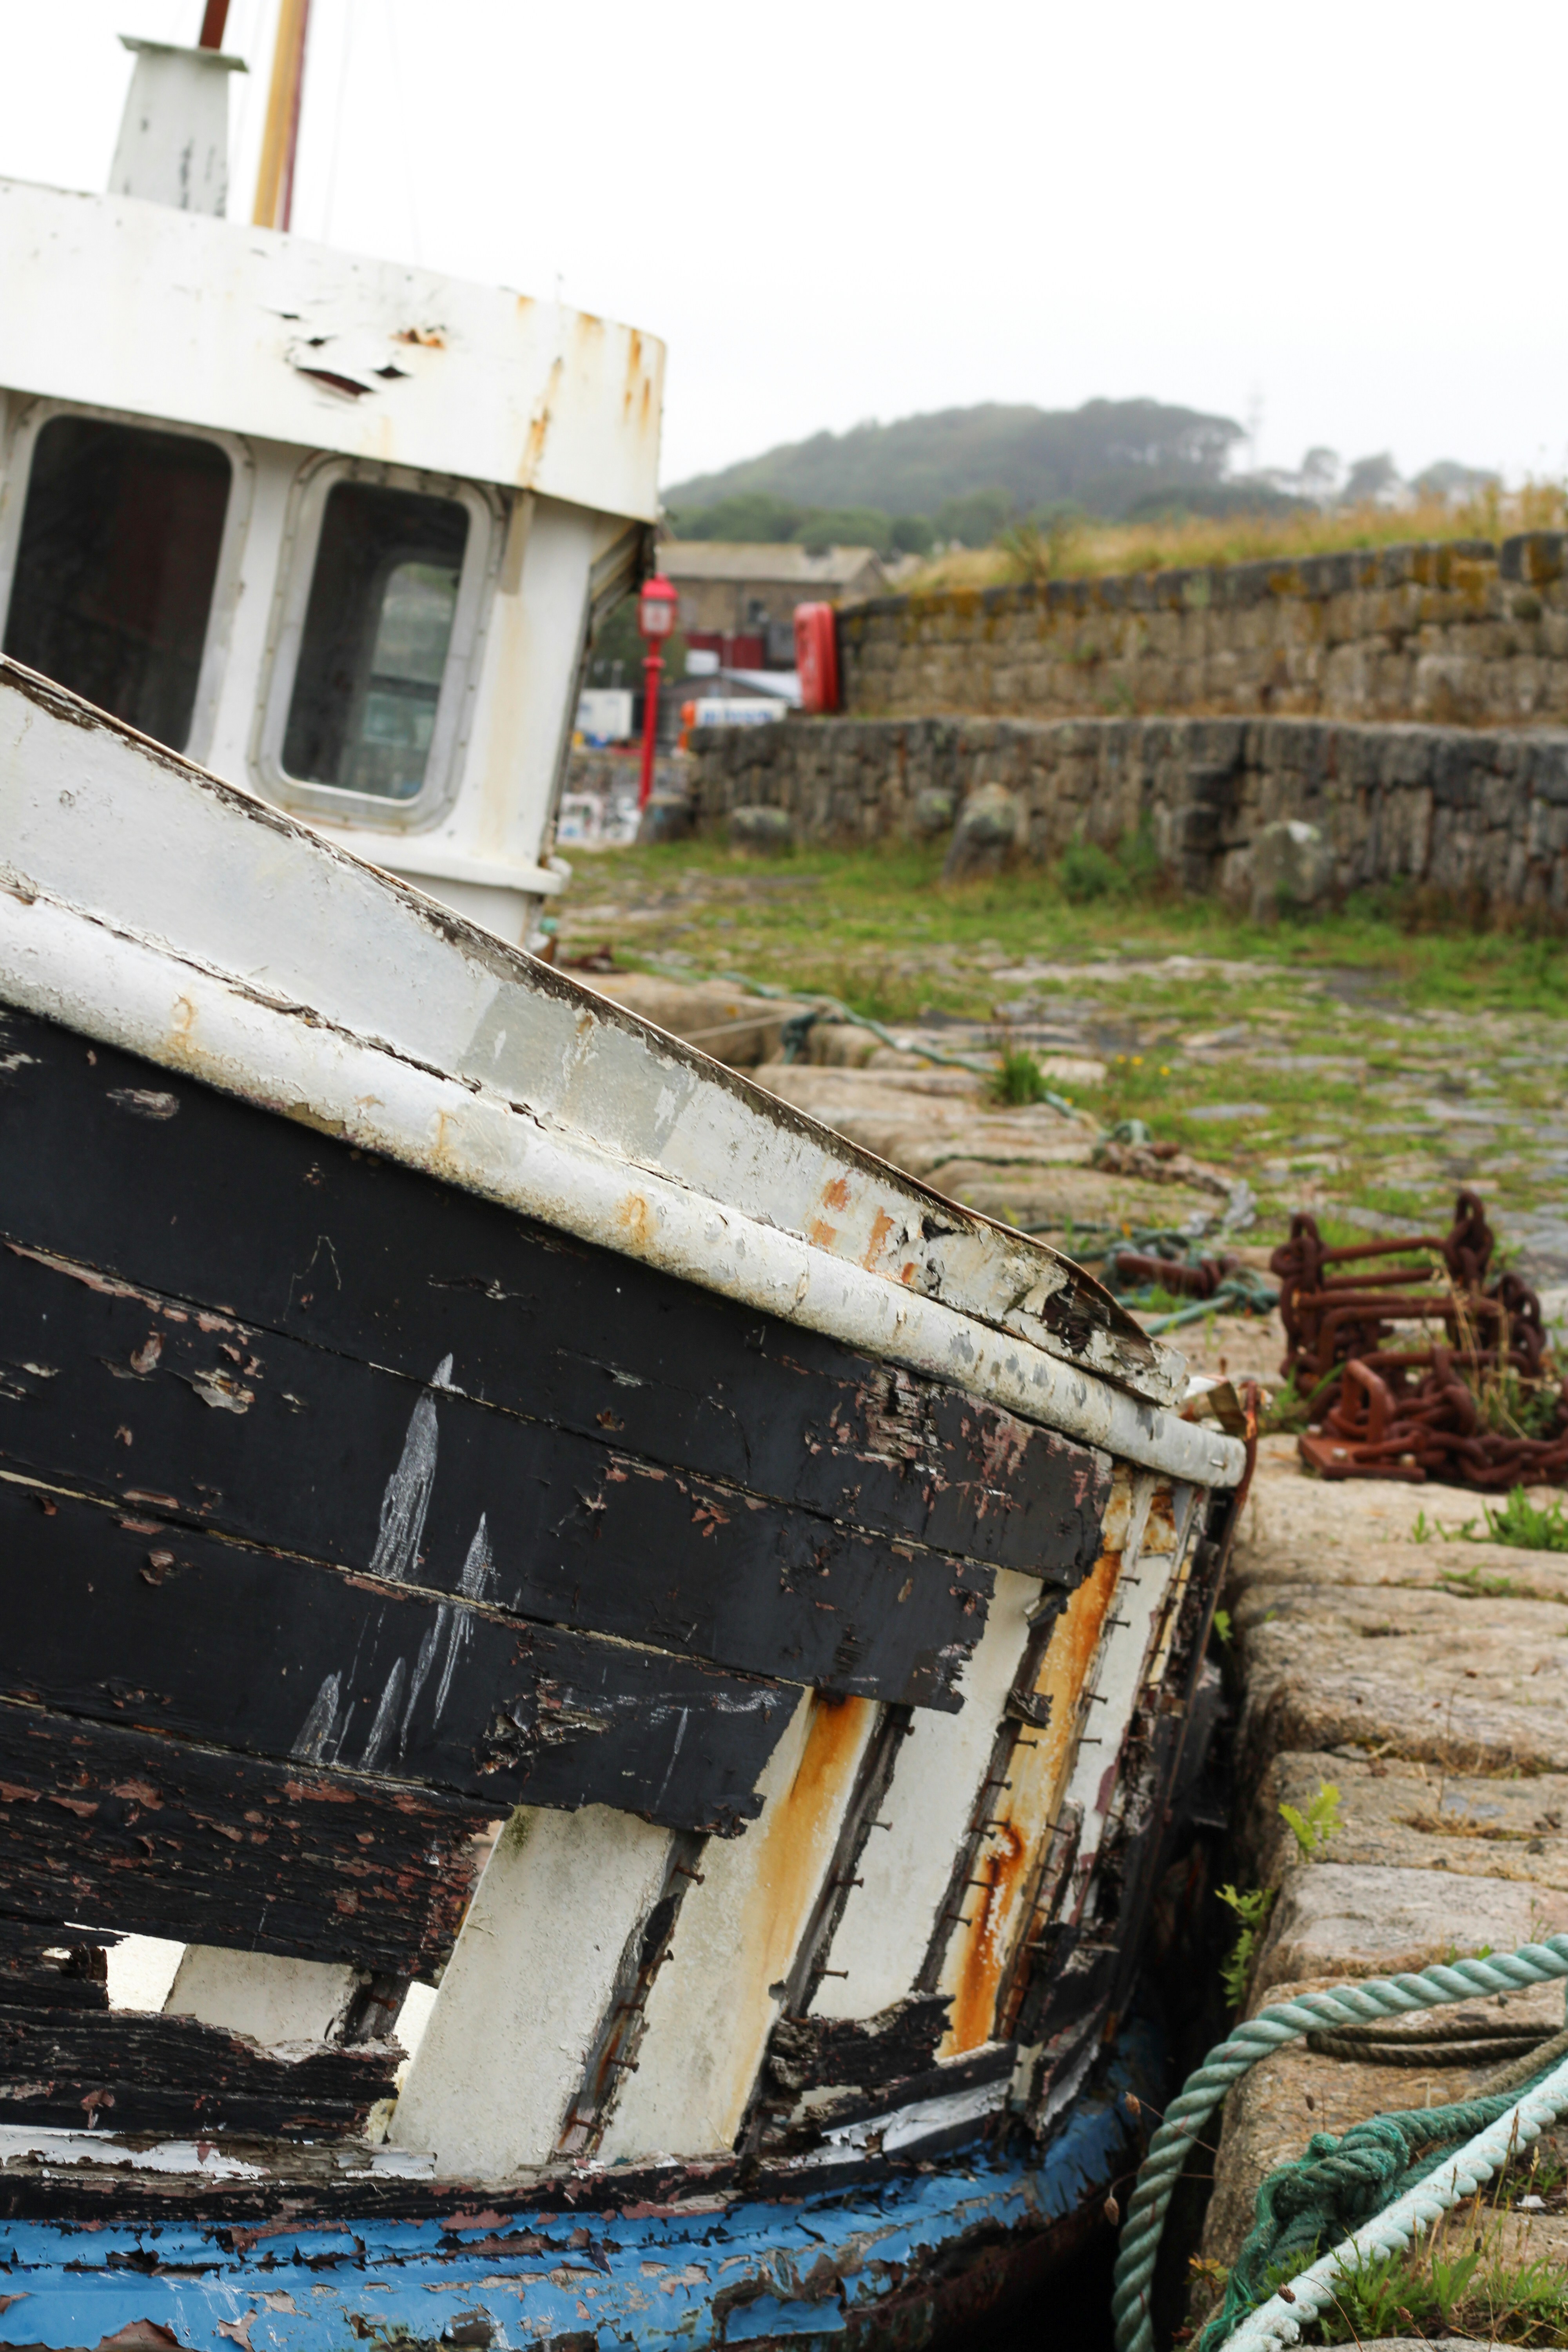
[657, 609]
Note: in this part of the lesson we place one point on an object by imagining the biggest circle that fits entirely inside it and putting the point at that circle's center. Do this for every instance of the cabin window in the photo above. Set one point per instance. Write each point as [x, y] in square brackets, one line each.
[115, 568]
[378, 630]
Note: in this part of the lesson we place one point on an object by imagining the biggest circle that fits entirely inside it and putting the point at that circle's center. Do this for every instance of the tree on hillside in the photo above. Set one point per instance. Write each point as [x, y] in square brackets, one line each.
[1101, 458]
[975, 518]
[748, 515]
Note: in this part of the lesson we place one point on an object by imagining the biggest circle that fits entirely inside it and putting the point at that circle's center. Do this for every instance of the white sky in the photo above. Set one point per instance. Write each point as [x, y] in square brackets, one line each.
[1349, 214]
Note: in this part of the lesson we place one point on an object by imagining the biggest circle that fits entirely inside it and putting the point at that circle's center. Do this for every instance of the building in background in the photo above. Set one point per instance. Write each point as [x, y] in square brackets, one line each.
[738, 597]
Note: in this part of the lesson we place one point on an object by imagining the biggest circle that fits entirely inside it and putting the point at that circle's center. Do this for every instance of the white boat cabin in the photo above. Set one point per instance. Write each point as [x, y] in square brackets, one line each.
[337, 529]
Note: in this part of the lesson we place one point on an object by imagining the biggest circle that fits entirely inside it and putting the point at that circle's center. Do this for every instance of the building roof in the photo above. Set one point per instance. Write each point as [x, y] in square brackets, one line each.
[766, 560]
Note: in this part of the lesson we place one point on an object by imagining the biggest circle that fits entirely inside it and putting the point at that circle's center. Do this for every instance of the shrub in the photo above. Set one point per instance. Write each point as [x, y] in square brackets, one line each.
[1020, 1079]
[1089, 872]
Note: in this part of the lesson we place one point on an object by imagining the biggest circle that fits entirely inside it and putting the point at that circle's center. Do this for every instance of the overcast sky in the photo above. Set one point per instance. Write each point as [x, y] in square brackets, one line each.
[1343, 220]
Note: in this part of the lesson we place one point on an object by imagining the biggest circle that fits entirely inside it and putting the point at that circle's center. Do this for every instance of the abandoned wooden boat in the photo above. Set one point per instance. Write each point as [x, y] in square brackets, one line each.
[433, 1399]
[513, 1536]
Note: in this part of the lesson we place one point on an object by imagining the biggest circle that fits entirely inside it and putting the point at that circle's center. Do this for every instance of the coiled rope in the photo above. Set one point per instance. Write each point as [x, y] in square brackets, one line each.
[1350, 2005]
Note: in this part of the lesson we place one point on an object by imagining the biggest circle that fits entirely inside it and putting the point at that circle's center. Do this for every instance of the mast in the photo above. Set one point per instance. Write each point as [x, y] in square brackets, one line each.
[280, 133]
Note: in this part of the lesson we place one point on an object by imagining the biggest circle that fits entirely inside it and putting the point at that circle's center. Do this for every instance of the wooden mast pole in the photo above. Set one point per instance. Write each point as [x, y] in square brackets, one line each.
[280, 132]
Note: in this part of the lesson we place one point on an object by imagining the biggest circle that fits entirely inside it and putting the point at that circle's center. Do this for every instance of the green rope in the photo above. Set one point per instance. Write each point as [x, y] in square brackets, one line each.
[1258, 2037]
[1242, 1293]
[1338, 2184]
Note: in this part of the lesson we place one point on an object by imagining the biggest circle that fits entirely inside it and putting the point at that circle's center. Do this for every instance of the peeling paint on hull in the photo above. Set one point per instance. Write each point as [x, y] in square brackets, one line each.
[865, 2265]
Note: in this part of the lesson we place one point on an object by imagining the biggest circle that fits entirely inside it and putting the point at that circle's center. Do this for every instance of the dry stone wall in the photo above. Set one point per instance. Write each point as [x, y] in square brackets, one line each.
[1462, 633]
[1479, 815]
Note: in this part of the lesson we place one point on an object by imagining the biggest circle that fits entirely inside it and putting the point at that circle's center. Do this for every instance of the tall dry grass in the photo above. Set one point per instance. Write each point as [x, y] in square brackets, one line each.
[1073, 549]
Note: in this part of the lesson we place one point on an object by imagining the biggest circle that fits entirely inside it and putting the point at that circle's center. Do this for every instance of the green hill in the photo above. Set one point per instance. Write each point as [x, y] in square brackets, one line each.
[967, 471]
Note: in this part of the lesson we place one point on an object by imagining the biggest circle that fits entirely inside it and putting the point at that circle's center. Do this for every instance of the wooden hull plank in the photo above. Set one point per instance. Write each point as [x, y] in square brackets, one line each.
[197, 1637]
[203, 1196]
[166, 1407]
[117, 1828]
[121, 2070]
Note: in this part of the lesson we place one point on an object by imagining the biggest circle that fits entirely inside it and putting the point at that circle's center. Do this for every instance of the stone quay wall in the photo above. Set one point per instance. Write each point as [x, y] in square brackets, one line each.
[1465, 633]
[1479, 816]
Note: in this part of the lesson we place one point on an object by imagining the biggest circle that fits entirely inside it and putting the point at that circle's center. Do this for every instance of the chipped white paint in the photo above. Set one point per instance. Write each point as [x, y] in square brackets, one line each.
[141, 1969]
[906, 2127]
[716, 2000]
[272, 1998]
[27, 2141]
[202, 2158]
[406, 1500]
[321, 1720]
[887, 1924]
[527, 1988]
[210, 322]
[549, 545]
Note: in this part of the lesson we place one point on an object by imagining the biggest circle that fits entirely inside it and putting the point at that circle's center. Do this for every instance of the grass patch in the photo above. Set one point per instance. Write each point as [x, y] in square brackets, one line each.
[1495, 2301]
[849, 922]
[1529, 1527]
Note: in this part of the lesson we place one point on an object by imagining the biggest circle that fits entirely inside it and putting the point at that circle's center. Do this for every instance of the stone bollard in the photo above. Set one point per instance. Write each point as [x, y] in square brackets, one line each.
[933, 814]
[990, 826]
[1292, 865]
[765, 832]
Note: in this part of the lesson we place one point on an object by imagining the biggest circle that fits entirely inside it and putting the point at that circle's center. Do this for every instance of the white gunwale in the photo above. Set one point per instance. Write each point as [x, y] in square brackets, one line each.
[153, 908]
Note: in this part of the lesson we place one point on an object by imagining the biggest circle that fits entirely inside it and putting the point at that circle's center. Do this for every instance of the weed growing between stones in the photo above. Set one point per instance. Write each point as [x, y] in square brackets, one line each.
[1312, 1829]
[1020, 1080]
[1252, 1909]
[1479, 2293]
[1531, 1527]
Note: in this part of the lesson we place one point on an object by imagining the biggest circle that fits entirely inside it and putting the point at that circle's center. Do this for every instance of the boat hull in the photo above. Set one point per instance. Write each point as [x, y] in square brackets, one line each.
[902, 2256]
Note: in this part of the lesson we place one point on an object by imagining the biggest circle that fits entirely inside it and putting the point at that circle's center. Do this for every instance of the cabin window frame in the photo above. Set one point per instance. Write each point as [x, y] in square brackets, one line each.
[460, 677]
[16, 448]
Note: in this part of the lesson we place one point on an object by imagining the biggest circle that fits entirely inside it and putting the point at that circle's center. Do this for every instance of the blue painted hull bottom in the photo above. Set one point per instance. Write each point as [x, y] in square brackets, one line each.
[905, 2260]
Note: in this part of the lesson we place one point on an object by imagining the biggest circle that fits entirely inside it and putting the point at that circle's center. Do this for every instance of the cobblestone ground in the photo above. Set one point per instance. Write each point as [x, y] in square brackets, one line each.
[1349, 1069]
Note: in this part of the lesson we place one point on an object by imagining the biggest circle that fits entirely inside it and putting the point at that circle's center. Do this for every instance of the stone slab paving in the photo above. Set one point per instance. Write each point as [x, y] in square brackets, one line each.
[1427, 1681]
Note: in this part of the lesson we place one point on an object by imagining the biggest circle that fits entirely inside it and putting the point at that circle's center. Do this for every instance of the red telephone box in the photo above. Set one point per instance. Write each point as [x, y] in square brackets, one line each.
[817, 656]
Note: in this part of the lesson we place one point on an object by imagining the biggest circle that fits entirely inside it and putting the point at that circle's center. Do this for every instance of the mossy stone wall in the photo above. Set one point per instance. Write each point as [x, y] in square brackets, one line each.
[1480, 816]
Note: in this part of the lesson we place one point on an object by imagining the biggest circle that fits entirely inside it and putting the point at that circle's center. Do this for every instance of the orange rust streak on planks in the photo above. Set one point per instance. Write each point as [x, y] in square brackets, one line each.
[796, 1837]
[809, 1811]
[1039, 1766]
